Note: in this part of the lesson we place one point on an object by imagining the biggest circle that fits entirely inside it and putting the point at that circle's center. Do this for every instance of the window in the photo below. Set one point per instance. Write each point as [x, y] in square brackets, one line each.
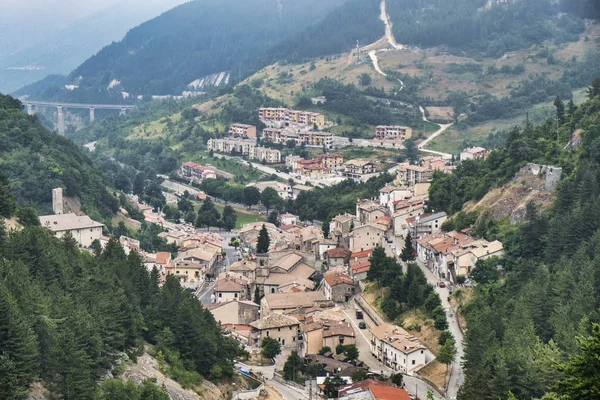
[267, 333]
[234, 295]
[220, 294]
[283, 342]
[421, 351]
[413, 362]
[278, 329]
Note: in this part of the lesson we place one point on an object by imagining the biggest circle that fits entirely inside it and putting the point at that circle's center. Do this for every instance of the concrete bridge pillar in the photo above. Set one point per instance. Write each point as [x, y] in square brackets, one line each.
[61, 120]
[30, 109]
[92, 116]
[122, 112]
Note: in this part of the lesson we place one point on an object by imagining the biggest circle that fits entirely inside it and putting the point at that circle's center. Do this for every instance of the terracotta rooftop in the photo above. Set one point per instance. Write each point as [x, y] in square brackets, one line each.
[163, 257]
[379, 390]
[338, 252]
[334, 279]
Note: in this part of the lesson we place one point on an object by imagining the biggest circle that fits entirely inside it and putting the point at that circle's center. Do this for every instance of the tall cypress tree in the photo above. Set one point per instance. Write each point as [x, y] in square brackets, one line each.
[408, 253]
[264, 241]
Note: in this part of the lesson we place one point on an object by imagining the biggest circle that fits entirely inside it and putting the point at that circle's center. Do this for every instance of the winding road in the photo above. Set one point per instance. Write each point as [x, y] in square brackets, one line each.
[389, 37]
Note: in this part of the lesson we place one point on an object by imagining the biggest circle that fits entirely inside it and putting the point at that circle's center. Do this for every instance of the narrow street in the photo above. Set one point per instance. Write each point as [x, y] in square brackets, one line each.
[457, 375]
[363, 343]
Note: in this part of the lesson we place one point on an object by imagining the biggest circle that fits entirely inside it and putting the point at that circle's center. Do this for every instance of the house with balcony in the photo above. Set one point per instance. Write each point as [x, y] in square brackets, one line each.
[358, 168]
[398, 349]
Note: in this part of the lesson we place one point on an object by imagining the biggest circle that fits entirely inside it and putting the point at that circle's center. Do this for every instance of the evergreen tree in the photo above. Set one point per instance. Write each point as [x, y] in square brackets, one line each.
[207, 215]
[446, 355]
[19, 363]
[408, 252]
[264, 241]
[7, 201]
[560, 110]
[292, 366]
[581, 372]
[594, 89]
[229, 218]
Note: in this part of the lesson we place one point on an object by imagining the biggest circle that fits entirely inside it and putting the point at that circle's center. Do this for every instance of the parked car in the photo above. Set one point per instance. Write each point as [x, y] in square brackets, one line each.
[442, 284]
[362, 325]
[359, 314]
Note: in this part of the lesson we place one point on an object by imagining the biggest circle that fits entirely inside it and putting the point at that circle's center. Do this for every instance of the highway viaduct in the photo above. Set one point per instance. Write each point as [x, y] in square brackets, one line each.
[32, 105]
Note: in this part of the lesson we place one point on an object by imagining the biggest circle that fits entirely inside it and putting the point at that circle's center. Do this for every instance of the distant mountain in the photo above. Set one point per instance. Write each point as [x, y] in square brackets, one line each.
[192, 41]
[50, 47]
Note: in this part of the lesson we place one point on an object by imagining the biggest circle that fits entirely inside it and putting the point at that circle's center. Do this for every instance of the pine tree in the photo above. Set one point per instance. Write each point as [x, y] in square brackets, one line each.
[7, 201]
[292, 366]
[264, 241]
[560, 110]
[446, 355]
[18, 349]
[408, 252]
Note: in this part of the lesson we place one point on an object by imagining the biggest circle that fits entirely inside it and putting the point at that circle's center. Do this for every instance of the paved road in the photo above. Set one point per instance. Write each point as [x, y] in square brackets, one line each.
[288, 392]
[457, 376]
[363, 342]
[179, 188]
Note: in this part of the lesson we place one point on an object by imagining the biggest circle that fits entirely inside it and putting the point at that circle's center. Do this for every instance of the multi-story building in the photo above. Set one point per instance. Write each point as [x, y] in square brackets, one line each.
[270, 156]
[316, 139]
[307, 118]
[358, 168]
[82, 228]
[196, 172]
[413, 174]
[274, 114]
[332, 162]
[280, 135]
[426, 224]
[283, 328]
[399, 133]
[474, 153]
[242, 131]
[398, 349]
[287, 116]
[245, 147]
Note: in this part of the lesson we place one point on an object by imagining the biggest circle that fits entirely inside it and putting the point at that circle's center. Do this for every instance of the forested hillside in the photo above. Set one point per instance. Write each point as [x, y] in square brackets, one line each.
[36, 161]
[196, 39]
[66, 316]
[486, 27]
[357, 21]
[525, 323]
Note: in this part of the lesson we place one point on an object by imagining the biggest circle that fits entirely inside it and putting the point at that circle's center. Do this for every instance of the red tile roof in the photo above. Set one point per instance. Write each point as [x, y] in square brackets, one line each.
[362, 254]
[335, 278]
[380, 390]
[163, 257]
[338, 252]
[362, 267]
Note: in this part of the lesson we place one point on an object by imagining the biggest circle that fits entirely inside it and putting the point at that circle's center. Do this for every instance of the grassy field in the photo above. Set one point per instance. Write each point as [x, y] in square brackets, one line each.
[244, 216]
[454, 140]
[371, 153]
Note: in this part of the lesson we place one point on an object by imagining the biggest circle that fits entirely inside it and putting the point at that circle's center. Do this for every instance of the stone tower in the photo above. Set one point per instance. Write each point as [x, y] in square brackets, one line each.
[57, 201]
[262, 265]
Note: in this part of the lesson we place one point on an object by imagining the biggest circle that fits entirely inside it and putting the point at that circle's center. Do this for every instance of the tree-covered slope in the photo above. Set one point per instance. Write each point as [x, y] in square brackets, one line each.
[66, 316]
[524, 323]
[355, 21]
[489, 27]
[36, 161]
[199, 38]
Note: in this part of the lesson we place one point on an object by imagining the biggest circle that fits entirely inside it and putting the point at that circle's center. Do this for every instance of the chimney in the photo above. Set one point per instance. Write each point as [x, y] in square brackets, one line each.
[57, 201]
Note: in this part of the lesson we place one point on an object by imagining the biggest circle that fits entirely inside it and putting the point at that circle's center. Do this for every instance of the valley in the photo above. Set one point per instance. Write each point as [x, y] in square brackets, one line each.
[391, 199]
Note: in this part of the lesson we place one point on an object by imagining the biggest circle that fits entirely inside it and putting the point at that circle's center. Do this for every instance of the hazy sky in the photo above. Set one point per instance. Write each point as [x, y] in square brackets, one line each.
[25, 22]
